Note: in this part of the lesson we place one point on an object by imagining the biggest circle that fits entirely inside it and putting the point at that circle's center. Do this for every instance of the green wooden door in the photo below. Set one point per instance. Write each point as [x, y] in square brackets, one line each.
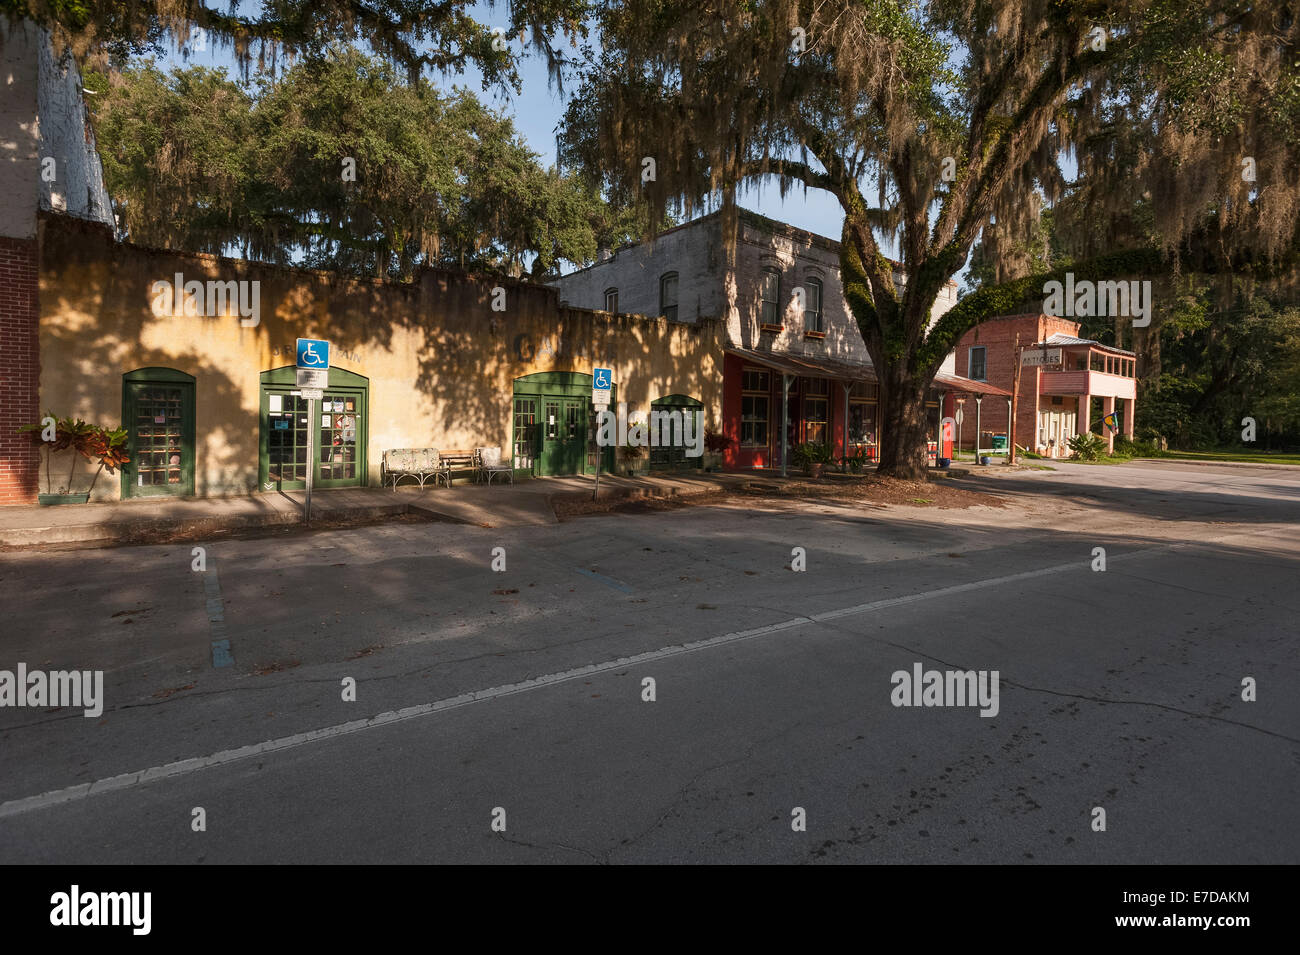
[158, 414]
[672, 456]
[553, 425]
[573, 436]
[564, 435]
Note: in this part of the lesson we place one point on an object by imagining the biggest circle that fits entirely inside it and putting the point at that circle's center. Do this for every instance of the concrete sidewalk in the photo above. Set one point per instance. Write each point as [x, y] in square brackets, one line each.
[498, 505]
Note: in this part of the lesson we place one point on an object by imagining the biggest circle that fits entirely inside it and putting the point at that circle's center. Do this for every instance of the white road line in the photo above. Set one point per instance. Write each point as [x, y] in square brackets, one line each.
[186, 766]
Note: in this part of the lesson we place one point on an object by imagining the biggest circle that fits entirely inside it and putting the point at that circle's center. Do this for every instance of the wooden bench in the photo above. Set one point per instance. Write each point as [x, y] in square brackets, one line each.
[461, 459]
[418, 463]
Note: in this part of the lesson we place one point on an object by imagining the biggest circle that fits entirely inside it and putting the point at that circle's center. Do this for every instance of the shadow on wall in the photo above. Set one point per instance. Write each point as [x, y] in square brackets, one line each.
[88, 384]
[97, 324]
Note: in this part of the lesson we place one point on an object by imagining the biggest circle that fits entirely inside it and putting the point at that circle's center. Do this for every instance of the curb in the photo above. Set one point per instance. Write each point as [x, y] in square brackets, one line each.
[141, 531]
[1219, 464]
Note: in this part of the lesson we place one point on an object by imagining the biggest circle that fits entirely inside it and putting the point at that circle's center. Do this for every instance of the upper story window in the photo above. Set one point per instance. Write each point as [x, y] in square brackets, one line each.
[611, 300]
[976, 367]
[668, 296]
[812, 313]
[754, 379]
[770, 313]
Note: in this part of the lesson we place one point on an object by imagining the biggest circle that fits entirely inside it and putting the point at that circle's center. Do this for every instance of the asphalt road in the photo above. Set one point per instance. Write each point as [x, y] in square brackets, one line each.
[519, 696]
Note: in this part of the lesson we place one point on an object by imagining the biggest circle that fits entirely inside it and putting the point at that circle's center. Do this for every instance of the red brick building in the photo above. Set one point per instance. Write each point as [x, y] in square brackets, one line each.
[1067, 384]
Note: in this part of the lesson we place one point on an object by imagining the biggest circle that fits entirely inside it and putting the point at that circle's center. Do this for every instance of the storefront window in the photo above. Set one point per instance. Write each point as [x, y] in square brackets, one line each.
[753, 420]
[815, 418]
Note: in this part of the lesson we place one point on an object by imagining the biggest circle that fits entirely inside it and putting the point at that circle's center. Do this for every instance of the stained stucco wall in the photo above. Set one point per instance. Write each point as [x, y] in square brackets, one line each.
[76, 187]
[692, 251]
[439, 360]
[19, 131]
[48, 158]
[708, 288]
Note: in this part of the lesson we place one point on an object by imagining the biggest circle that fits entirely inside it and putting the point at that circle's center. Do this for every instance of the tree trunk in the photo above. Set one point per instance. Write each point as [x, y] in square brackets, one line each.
[902, 443]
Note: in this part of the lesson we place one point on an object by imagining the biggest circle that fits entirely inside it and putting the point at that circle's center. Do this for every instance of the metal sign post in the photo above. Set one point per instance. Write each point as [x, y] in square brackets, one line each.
[311, 457]
[600, 452]
[602, 383]
[313, 375]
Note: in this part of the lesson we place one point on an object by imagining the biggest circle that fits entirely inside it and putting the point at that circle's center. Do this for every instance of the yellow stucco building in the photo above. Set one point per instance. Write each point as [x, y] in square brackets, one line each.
[204, 380]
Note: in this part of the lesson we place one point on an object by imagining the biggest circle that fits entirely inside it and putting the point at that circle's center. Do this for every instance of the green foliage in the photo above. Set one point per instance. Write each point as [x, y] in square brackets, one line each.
[854, 462]
[414, 35]
[1087, 446]
[90, 441]
[196, 161]
[935, 123]
[810, 453]
[1220, 361]
[1126, 448]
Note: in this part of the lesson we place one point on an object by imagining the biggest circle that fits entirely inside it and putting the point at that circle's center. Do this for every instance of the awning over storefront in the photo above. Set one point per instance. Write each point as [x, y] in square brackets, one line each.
[968, 386]
[807, 367]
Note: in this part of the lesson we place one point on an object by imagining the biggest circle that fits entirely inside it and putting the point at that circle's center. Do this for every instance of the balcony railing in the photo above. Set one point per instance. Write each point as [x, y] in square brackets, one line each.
[1086, 383]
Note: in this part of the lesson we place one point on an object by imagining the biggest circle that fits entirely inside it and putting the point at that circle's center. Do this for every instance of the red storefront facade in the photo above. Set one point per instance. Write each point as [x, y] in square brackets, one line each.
[827, 402]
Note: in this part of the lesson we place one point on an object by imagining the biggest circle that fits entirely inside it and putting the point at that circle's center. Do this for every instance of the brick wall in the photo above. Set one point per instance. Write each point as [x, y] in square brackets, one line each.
[998, 337]
[19, 370]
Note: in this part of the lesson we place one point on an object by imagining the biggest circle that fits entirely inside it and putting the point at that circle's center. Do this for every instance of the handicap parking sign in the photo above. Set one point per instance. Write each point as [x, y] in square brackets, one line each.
[313, 353]
[604, 377]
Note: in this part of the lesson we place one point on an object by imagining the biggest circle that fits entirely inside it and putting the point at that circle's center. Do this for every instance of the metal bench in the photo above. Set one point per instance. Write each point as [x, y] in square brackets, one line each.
[489, 463]
[418, 463]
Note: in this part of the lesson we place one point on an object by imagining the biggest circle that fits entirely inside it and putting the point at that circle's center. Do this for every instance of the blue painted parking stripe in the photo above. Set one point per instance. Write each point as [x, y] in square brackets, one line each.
[607, 581]
[216, 606]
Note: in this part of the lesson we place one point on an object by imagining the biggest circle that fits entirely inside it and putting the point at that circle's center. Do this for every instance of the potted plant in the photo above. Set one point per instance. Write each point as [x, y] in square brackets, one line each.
[812, 457]
[854, 462]
[715, 446]
[89, 441]
[633, 459]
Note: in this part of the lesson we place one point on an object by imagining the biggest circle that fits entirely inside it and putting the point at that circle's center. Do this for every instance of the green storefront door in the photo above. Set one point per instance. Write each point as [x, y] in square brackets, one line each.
[340, 429]
[158, 414]
[672, 456]
[553, 425]
[564, 435]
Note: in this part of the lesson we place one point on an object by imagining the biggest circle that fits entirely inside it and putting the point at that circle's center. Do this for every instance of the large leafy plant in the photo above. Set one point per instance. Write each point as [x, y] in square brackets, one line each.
[1087, 446]
[806, 455]
[90, 441]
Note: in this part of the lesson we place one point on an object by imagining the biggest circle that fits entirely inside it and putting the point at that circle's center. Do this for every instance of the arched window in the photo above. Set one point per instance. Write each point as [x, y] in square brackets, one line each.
[668, 296]
[611, 299]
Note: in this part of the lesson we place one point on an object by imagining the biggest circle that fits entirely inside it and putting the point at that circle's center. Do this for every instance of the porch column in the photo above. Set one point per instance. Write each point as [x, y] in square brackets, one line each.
[1085, 413]
[1011, 432]
[1130, 416]
[785, 420]
[1107, 406]
[844, 448]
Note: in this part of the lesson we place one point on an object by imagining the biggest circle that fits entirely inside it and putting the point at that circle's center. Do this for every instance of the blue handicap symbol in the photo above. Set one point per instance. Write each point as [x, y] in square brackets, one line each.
[602, 378]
